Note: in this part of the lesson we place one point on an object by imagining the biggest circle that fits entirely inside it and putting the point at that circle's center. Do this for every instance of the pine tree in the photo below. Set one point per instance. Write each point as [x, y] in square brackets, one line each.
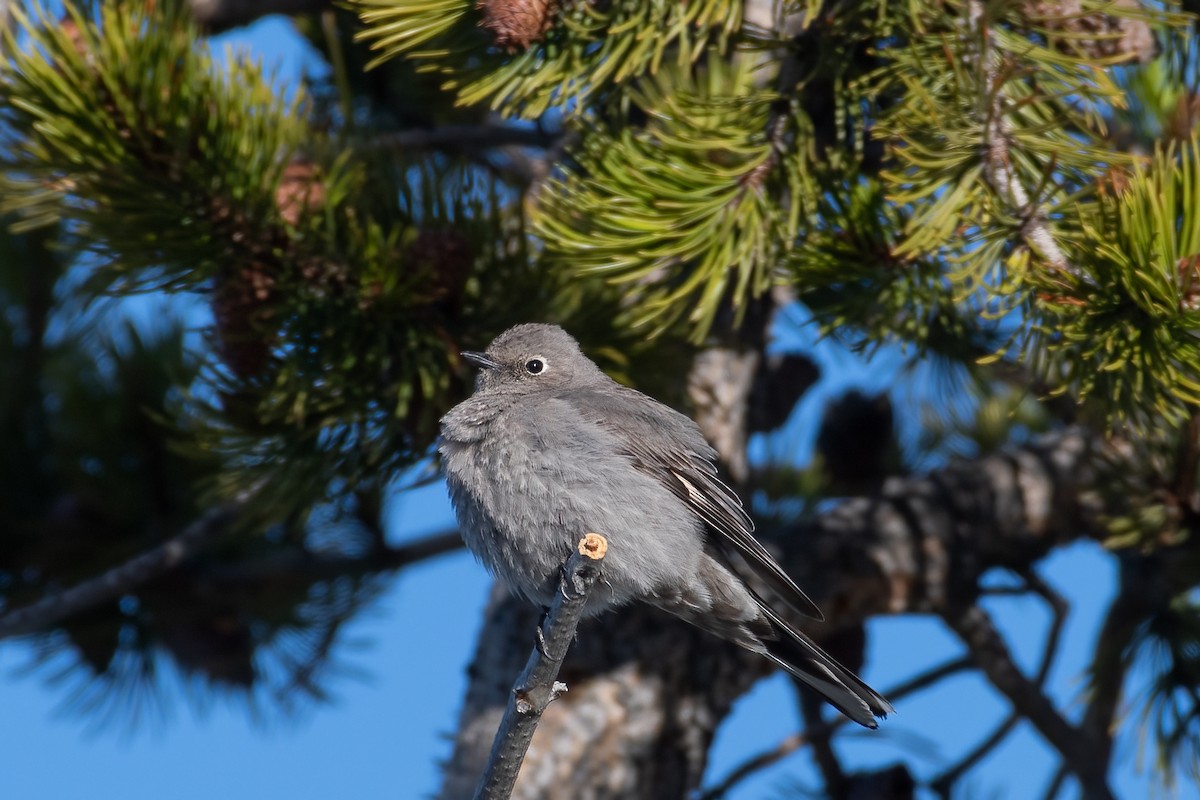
[1007, 189]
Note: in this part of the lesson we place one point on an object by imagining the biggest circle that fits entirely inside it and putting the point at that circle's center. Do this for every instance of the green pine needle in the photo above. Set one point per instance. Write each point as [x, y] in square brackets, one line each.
[587, 48]
[683, 209]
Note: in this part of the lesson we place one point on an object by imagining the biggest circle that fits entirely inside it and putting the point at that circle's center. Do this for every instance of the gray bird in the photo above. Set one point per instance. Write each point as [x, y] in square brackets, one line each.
[549, 448]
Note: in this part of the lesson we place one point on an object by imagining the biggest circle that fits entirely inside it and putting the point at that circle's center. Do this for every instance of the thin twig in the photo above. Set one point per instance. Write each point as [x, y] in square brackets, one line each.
[795, 741]
[121, 579]
[929, 677]
[998, 164]
[944, 783]
[537, 686]
[820, 737]
[1058, 609]
[783, 749]
[1056, 783]
[1142, 591]
[1079, 750]
[779, 117]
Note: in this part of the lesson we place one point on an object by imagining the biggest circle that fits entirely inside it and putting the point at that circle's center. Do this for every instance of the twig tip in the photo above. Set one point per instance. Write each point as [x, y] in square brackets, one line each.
[593, 545]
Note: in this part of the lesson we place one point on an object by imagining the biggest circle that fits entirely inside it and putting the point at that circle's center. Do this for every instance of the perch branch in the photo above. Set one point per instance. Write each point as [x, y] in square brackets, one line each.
[537, 686]
[119, 580]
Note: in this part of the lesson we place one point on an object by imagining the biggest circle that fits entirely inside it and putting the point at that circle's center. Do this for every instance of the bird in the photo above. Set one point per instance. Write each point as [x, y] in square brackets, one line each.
[548, 447]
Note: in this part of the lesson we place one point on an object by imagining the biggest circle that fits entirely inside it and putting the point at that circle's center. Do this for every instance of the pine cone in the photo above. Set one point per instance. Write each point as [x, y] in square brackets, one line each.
[445, 257]
[70, 28]
[1189, 282]
[1115, 35]
[241, 306]
[516, 24]
[300, 191]
[215, 643]
[1113, 181]
[1183, 121]
[856, 442]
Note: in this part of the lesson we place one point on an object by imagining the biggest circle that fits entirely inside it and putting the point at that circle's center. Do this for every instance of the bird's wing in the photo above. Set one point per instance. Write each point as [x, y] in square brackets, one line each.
[669, 446]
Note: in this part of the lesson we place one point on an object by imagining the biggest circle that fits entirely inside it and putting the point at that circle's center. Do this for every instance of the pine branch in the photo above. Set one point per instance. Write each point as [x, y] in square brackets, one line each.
[275, 569]
[308, 567]
[122, 579]
[683, 207]
[237, 194]
[537, 686]
[575, 53]
[1125, 334]
[786, 82]
[504, 150]
[88, 98]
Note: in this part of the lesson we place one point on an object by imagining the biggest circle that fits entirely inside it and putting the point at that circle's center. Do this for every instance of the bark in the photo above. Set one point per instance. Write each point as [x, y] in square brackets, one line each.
[720, 380]
[648, 692]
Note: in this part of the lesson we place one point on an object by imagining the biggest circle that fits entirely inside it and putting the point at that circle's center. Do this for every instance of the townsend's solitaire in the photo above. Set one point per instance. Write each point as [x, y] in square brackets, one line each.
[549, 448]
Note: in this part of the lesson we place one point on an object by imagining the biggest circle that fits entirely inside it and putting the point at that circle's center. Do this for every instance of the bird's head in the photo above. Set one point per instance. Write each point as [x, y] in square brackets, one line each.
[532, 358]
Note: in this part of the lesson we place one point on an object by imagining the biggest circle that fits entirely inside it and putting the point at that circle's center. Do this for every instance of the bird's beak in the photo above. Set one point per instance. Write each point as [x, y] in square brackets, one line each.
[482, 360]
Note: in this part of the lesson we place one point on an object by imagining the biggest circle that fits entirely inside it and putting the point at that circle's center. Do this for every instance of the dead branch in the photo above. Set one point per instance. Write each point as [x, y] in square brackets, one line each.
[537, 685]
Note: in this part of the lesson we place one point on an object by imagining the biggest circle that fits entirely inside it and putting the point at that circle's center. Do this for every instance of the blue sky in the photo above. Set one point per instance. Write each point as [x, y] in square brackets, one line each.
[385, 733]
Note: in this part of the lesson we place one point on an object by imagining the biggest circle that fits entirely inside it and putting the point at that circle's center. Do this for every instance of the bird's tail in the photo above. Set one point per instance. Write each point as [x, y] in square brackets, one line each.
[728, 608]
[807, 662]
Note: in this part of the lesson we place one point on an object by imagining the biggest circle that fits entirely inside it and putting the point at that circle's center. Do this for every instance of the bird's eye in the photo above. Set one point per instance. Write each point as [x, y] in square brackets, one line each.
[535, 366]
